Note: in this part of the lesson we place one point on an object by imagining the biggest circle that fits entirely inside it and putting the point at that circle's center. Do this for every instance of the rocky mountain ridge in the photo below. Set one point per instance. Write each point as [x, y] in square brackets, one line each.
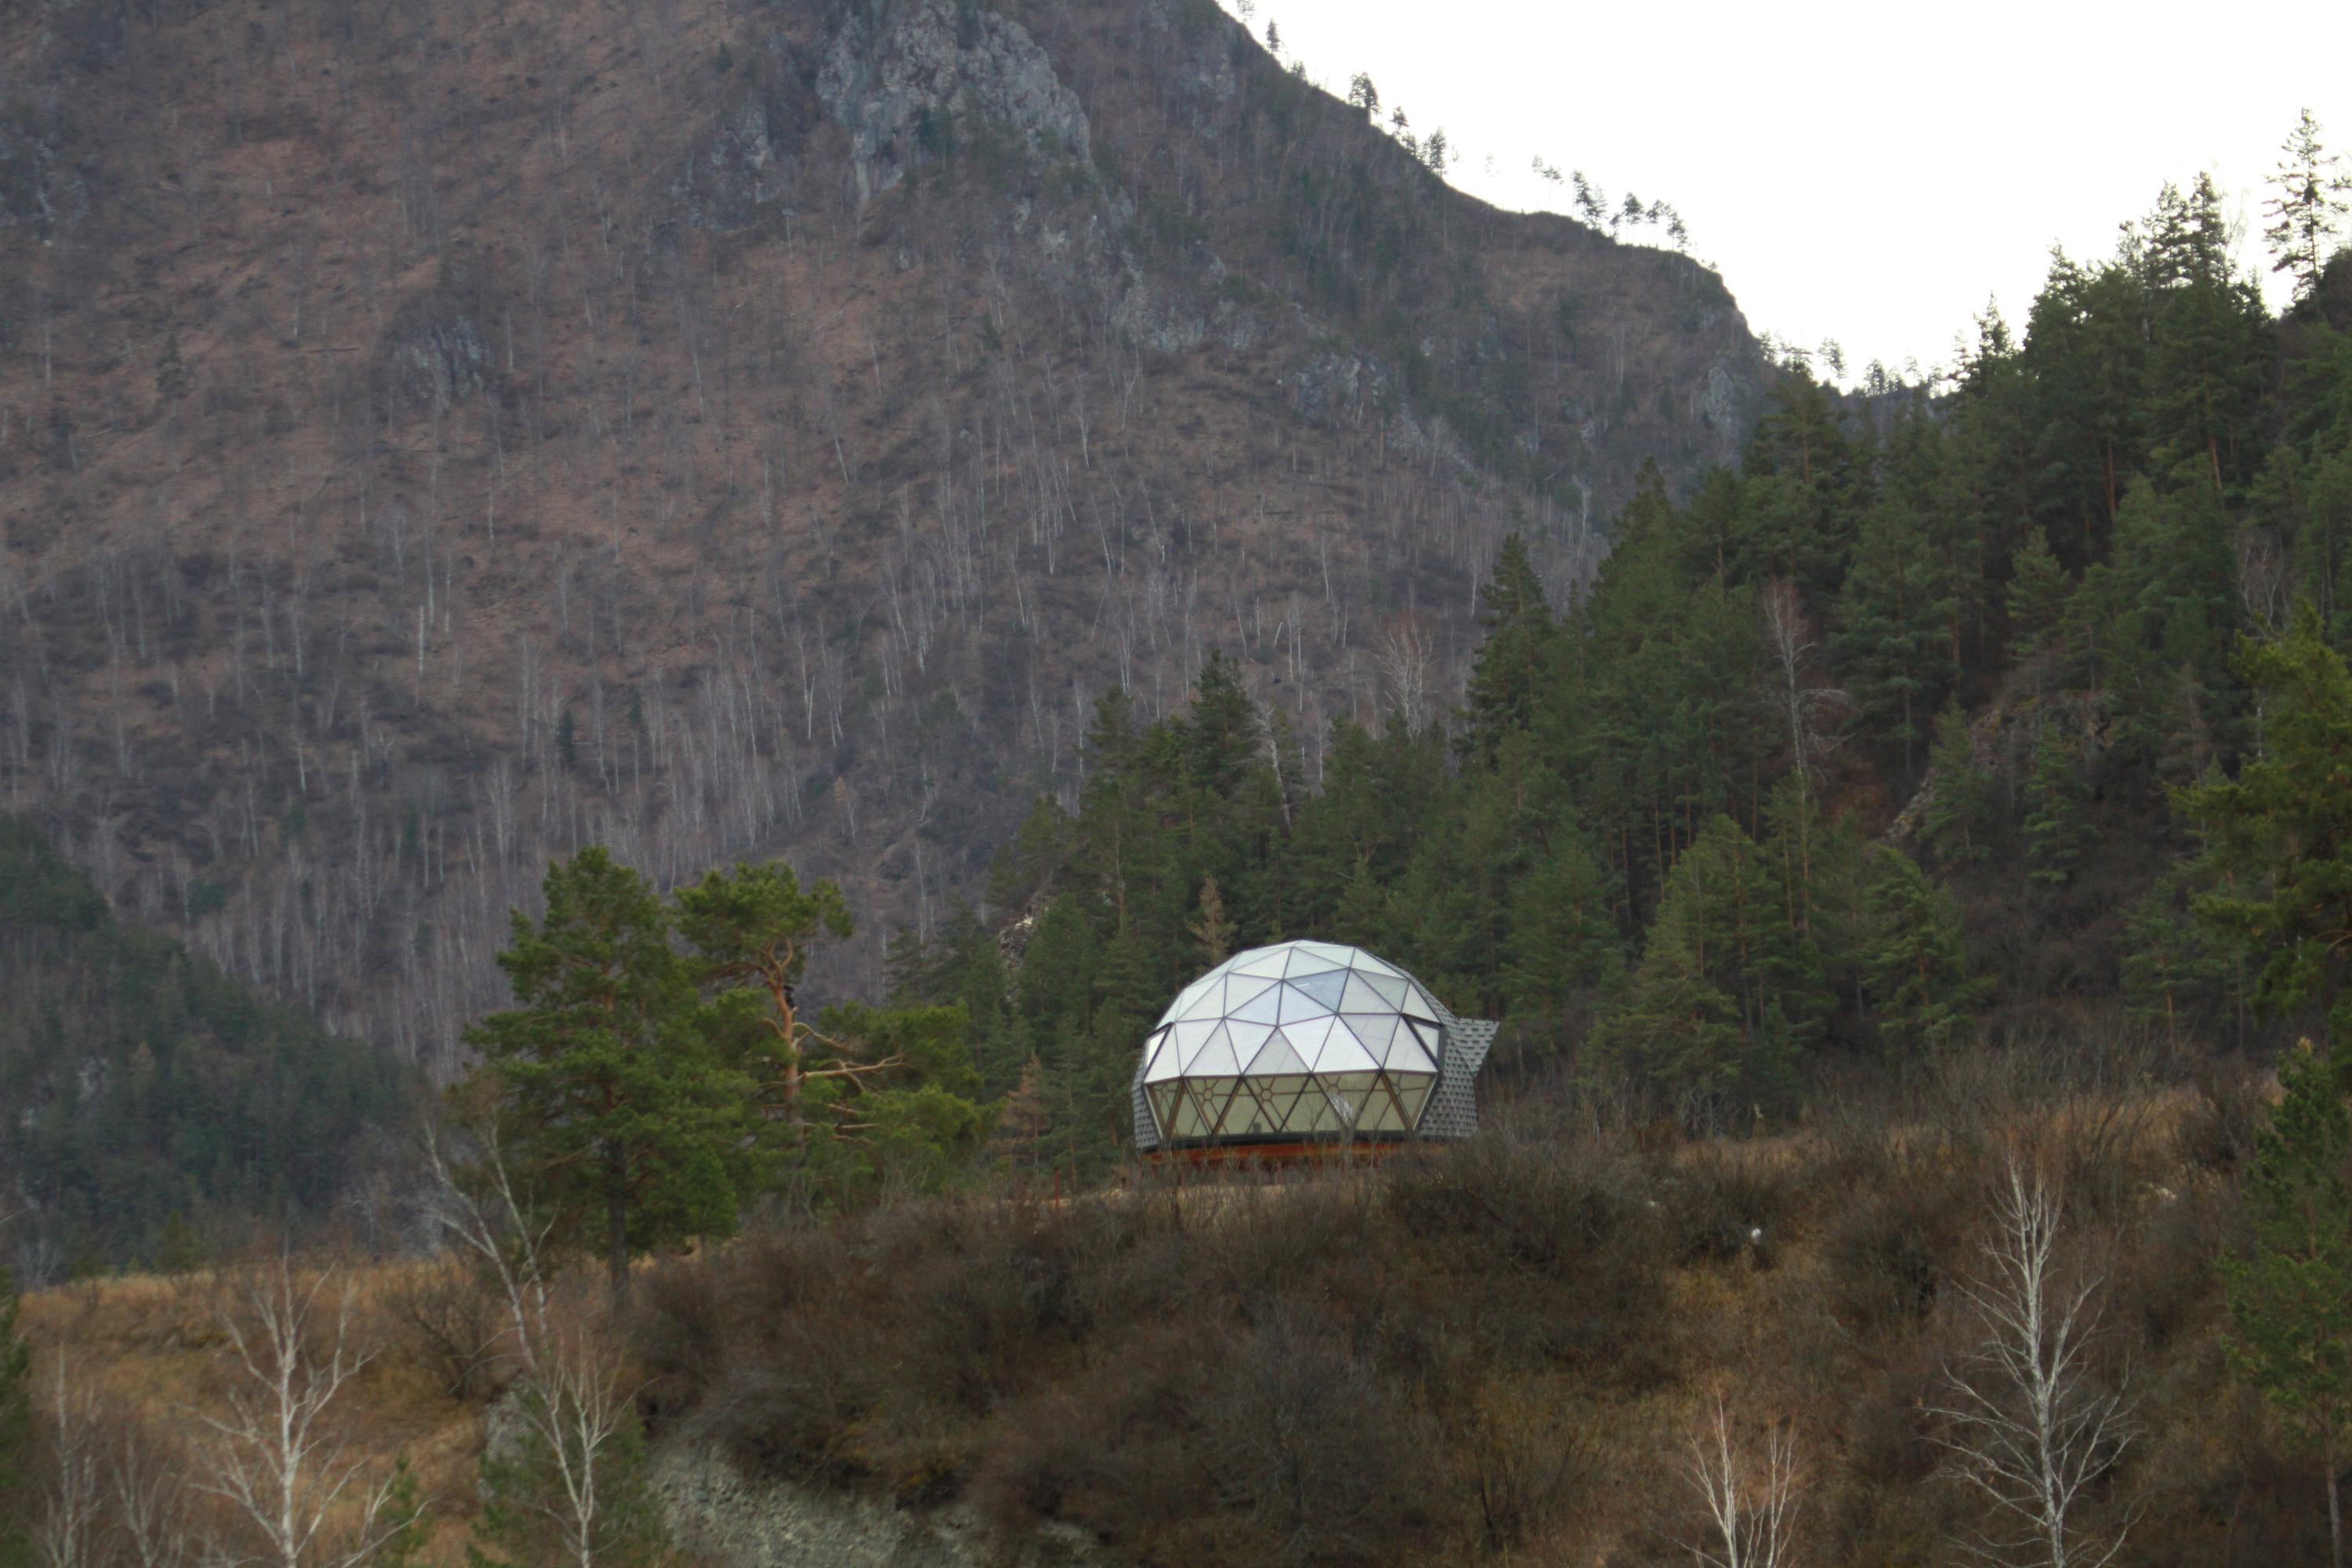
[438, 434]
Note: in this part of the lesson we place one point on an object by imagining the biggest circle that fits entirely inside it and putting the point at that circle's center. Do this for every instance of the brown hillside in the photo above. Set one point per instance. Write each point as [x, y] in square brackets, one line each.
[434, 435]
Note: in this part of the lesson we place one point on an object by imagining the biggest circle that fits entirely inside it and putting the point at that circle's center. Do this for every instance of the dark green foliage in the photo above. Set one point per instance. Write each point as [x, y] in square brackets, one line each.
[16, 1430]
[1958, 820]
[147, 1093]
[2290, 1294]
[2057, 822]
[628, 1119]
[2032, 586]
[2279, 834]
[1915, 965]
[581, 1441]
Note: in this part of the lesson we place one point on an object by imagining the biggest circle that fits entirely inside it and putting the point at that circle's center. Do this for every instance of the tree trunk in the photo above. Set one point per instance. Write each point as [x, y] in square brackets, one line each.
[2335, 1506]
[617, 1232]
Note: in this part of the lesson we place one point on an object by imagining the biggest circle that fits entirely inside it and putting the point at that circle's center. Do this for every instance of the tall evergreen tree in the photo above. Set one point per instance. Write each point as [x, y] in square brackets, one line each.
[16, 1429]
[2313, 192]
[2291, 1294]
[1915, 965]
[1508, 676]
[629, 1122]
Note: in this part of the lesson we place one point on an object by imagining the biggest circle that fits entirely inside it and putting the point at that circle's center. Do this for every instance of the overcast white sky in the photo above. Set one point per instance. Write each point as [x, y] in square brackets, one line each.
[1867, 172]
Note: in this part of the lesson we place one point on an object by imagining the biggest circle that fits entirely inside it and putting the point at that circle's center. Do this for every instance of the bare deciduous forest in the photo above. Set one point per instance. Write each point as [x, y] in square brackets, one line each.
[434, 436]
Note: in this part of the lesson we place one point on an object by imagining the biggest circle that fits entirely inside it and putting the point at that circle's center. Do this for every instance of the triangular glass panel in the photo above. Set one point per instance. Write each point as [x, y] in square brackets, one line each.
[1358, 996]
[1153, 1048]
[1186, 1119]
[1266, 961]
[1420, 1003]
[1405, 1053]
[1375, 1031]
[1331, 953]
[1263, 1007]
[1343, 1103]
[1412, 1093]
[1248, 1038]
[1392, 989]
[1215, 1058]
[1365, 963]
[1340, 1054]
[1308, 1037]
[1275, 1057]
[1382, 1113]
[1209, 1004]
[1326, 987]
[1212, 1095]
[1242, 987]
[1297, 1005]
[1190, 1035]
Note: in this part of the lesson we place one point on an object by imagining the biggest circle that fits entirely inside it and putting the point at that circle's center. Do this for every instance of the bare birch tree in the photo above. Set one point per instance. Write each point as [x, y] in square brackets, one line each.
[1750, 1495]
[487, 1220]
[2029, 1425]
[1805, 709]
[70, 1522]
[274, 1458]
[148, 1493]
[574, 1487]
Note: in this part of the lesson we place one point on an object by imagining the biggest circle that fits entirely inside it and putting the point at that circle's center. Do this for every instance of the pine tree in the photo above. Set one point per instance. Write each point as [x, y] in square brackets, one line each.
[2314, 193]
[2290, 1294]
[1508, 677]
[572, 1490]
[15, 1428]
[1899, 603]
[1562, 940]
[610, 1095]
[1959, 814]
[2038, 591]
[2180, 973]
[1216, 931]
[2279, 837]
[1914, 965]
[2057, 826]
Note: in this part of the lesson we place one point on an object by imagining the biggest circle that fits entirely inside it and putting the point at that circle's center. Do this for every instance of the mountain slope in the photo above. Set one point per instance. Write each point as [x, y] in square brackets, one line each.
[435, 436]
[148, 1099]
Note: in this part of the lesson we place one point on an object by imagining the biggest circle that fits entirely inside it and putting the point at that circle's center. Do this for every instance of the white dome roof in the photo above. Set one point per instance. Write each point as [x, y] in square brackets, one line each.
[1301, 1037]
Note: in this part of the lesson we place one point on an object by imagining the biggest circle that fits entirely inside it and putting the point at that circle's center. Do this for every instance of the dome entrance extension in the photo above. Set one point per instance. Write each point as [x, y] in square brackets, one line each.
[1305, 1042]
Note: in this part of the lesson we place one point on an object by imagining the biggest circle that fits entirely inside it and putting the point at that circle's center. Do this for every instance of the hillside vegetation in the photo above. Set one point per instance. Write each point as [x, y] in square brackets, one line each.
[1863, 752]
[434, 436]
[153, 1107]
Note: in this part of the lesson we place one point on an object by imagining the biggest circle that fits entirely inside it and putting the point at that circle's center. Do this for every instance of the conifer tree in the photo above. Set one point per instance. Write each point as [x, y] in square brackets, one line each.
[2037, 594]
[1563, 941]
[2314, 190]
[2057, 825]
[1958, 814]
[571, 1490]
[618, 1105]
[2180, 973]
[1896, 611]
[2279, 837]
[1914, 965]
[1508, 677]
[15, 1428]
[2291, 1294]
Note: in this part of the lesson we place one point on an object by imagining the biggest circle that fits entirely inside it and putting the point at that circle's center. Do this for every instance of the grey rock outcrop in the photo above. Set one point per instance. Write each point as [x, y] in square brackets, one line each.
[732, 1521]
[885, 80]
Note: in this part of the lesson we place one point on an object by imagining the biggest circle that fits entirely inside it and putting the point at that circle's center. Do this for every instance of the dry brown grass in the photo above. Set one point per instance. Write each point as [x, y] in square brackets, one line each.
[156, 1346]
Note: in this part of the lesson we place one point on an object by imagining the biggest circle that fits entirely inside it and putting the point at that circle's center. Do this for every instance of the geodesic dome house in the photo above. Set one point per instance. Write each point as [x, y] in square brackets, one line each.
[1307, 1042]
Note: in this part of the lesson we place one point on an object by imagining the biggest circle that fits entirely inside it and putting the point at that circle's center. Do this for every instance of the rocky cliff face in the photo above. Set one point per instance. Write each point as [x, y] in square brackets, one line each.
[439, 434]
[731, 1520]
